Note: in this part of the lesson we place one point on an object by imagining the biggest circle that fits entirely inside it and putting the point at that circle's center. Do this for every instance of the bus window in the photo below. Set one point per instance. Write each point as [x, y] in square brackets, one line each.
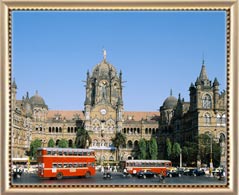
[53, 152]
[84, 165]
[65, 153]
[48, 152]
[79, 165]
[75, 153]
[65, 165]
[84, 153]
[54, 165]
[59, 165]
[79, 153]
[88, 153]
[60, 153]
[70, 153]
[70, 165]
[75, 165]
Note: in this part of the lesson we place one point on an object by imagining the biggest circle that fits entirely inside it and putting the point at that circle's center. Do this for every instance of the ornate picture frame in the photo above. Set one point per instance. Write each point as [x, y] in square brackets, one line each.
[232, 43]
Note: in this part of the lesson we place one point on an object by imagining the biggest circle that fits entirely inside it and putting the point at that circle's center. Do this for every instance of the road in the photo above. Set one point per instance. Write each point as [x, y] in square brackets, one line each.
[117, 179]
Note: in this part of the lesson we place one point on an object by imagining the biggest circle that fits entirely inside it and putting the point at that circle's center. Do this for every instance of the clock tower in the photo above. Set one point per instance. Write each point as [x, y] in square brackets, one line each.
[103, 103]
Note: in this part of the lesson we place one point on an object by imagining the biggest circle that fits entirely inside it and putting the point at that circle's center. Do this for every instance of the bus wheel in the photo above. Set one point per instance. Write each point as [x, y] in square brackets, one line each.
[87, 175]
[59, 176]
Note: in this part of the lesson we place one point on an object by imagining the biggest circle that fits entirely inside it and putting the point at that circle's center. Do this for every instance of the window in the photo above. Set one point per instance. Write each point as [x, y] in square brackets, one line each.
[54, 165]
[65, 153]
[207, 119]
[224, 120]
[48, 152]
[60, 153]
[59, 165]
[218, 120]
[206, 101]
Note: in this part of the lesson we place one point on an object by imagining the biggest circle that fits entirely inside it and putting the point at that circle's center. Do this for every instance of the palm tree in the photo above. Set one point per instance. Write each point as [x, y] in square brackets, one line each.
[118, 141]
[83, 139]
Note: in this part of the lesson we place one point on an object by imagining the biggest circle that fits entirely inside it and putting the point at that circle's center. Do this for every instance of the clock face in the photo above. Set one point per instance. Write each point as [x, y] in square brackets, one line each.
[103, 111]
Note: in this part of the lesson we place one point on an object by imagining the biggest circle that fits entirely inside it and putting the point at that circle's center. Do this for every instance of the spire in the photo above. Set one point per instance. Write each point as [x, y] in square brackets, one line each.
[171, 92]
[14, 83]
[104, 54]
[203, 74]
[215, 83]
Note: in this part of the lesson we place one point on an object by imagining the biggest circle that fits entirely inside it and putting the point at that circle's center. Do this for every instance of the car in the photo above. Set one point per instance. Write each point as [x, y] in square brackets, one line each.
[173, 173]
[146, 174]
[194, 172]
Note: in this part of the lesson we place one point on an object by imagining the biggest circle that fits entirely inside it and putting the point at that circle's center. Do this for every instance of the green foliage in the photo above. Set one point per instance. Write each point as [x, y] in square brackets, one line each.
[189, 153]
[168, 148]
[63, 143]
[33, 147]
[153, 149]
[118, 141]
[51, 143]
[208, 148]
[83, 139]
[142, 149]
[176, 150]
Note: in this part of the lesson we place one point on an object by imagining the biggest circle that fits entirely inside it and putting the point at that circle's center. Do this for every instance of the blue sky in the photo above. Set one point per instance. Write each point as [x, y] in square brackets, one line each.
[156, 51]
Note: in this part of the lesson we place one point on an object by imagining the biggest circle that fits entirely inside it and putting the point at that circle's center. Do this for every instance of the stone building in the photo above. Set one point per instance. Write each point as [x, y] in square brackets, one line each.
[205, 113]
[104, 115]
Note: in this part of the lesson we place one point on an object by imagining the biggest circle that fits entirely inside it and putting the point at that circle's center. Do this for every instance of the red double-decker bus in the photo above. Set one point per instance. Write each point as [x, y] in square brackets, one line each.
[156, 166]
[64, 162]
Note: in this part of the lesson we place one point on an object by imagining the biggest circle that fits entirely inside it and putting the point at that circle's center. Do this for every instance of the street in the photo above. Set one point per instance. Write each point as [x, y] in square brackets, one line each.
[117, 179]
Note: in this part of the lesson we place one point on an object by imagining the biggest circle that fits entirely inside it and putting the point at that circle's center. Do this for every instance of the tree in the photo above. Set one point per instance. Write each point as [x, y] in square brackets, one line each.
[153, 149]
[118, 141]
[209, 148]
[33, 147]
[51, 143]
[63, 143]
[176, 150]
[83, 139]
[142, 149]
[168, 148]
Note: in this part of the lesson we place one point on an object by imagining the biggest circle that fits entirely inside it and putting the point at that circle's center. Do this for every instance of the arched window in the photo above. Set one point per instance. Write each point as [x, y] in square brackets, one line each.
[49, 129]
[150, 131]
[72, 129]
[207, 101]
[102, 142]
[146, 131]
[111, 158]
[136, 144]
[153, 130]
[60, 130]
[68, 130]
[129, 144]
[207, 119]
[224, 120]
[56, 129]
[124, 130]
[70, 143]
[138, 130]
[57, 142]
[53, 129]
[94, 143]
[218, 120]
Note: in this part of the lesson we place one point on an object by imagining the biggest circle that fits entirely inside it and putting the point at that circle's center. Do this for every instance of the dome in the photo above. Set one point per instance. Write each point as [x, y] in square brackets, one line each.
[37, 100]
[103, 69]
[170, 102]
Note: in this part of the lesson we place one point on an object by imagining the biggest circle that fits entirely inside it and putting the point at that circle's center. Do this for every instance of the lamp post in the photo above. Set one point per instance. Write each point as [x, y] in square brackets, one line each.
[211, 162]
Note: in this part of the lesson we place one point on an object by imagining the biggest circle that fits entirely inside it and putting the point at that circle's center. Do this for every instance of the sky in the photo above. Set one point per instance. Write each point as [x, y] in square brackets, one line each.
[156, 51]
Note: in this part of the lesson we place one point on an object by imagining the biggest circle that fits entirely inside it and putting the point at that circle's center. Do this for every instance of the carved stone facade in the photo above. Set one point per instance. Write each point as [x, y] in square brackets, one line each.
[104, 115]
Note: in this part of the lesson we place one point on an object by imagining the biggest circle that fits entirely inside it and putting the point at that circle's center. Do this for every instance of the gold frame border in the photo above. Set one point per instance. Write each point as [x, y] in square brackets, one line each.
[230, 6]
